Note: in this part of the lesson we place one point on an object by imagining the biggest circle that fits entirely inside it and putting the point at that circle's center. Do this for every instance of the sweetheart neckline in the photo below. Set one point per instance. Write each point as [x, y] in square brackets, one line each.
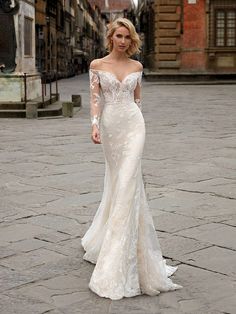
[115, 75]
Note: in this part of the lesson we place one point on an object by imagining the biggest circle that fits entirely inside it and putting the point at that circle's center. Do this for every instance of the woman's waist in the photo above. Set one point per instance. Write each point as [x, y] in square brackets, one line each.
[119, 101]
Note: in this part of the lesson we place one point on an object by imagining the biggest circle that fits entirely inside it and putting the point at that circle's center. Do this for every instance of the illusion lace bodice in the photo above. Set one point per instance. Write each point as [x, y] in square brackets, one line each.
[106, 88]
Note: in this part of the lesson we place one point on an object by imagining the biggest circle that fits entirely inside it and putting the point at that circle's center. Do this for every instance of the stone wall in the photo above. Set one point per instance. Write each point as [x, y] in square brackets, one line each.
[25, 63]
[12, 85]
[168, 34]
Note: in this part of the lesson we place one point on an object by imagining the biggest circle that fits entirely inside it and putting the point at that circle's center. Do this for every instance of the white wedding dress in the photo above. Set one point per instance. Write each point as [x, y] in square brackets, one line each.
[122, 240]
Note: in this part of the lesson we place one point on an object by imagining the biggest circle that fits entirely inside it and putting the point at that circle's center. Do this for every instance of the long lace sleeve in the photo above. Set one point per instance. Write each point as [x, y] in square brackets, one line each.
[137, 92]
[95, 99]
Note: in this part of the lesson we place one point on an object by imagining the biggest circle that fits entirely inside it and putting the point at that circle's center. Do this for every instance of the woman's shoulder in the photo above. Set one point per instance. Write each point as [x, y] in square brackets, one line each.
[95, 64]
[138, 65]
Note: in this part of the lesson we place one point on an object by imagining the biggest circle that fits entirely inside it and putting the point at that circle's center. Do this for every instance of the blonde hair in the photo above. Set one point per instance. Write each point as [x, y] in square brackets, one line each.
[135, 40]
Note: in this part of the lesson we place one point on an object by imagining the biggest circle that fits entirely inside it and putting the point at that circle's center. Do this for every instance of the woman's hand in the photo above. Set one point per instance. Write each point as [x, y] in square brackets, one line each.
[95, 136]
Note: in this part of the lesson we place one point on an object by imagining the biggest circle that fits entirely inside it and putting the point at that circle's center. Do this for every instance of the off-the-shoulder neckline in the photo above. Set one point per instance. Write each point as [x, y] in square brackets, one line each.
[94, 70]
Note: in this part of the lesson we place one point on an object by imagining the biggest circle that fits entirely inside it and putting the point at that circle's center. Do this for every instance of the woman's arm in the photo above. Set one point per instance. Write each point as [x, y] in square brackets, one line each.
[137, 91]
[95, 102]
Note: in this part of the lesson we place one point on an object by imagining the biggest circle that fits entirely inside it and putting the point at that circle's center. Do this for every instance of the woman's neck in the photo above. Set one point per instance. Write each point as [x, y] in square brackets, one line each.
[118, 56]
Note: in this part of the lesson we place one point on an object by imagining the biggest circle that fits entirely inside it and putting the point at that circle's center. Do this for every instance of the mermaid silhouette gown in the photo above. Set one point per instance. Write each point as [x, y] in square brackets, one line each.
[122, 240]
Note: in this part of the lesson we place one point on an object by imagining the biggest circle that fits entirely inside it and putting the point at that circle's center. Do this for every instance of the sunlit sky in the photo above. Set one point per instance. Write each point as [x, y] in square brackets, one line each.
[135, 2]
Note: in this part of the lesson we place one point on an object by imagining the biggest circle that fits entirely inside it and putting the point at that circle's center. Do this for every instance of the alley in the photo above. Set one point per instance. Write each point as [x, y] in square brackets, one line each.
[51, 181]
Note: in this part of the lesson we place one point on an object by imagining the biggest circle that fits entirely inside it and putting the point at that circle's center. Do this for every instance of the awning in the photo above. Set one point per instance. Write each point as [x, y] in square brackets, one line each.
[77, 52]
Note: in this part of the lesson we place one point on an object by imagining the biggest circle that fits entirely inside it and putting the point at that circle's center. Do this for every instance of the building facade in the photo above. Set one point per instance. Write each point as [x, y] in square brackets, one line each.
[113, 9]
[188, 35]
[90, 38]
[69, 33]
[55, 32]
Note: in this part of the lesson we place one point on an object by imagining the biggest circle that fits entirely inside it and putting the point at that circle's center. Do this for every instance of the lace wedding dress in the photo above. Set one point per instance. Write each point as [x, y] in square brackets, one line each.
[122, 240]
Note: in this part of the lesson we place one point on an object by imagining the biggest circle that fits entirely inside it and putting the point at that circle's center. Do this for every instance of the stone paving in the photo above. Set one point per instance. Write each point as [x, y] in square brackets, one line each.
[51, 181]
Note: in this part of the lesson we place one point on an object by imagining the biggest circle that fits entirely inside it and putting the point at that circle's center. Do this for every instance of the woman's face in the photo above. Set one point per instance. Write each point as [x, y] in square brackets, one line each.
[121, 39]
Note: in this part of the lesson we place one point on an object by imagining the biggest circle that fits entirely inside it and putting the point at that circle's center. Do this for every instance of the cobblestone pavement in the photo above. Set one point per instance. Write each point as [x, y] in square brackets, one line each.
[51, 180]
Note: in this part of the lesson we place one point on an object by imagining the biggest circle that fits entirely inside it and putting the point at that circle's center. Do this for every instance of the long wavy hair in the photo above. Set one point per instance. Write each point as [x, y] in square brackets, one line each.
[135, 40]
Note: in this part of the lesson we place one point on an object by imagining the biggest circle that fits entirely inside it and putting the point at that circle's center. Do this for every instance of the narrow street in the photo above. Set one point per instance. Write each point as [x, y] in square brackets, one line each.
[51, 182]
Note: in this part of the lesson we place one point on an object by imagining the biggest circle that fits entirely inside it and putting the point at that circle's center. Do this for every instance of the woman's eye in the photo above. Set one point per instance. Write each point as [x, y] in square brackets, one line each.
[119, 36]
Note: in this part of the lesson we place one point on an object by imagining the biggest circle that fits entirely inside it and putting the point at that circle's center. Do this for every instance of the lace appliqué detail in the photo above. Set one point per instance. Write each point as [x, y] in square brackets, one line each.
[95, 120]
[95, 99]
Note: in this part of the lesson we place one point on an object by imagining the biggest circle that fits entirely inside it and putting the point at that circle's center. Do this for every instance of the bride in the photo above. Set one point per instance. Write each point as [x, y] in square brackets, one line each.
[122, 241]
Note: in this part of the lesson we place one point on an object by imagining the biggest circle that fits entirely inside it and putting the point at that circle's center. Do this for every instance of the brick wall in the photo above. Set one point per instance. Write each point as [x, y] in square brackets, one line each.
[193, 39]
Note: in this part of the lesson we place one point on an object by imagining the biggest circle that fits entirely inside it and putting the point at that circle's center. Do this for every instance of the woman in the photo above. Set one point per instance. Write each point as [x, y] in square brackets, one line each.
[122, 241]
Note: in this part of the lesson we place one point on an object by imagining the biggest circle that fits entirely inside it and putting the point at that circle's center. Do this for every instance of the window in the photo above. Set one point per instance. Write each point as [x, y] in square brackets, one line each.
[222, 24]
[28, 24]
[225, 28]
